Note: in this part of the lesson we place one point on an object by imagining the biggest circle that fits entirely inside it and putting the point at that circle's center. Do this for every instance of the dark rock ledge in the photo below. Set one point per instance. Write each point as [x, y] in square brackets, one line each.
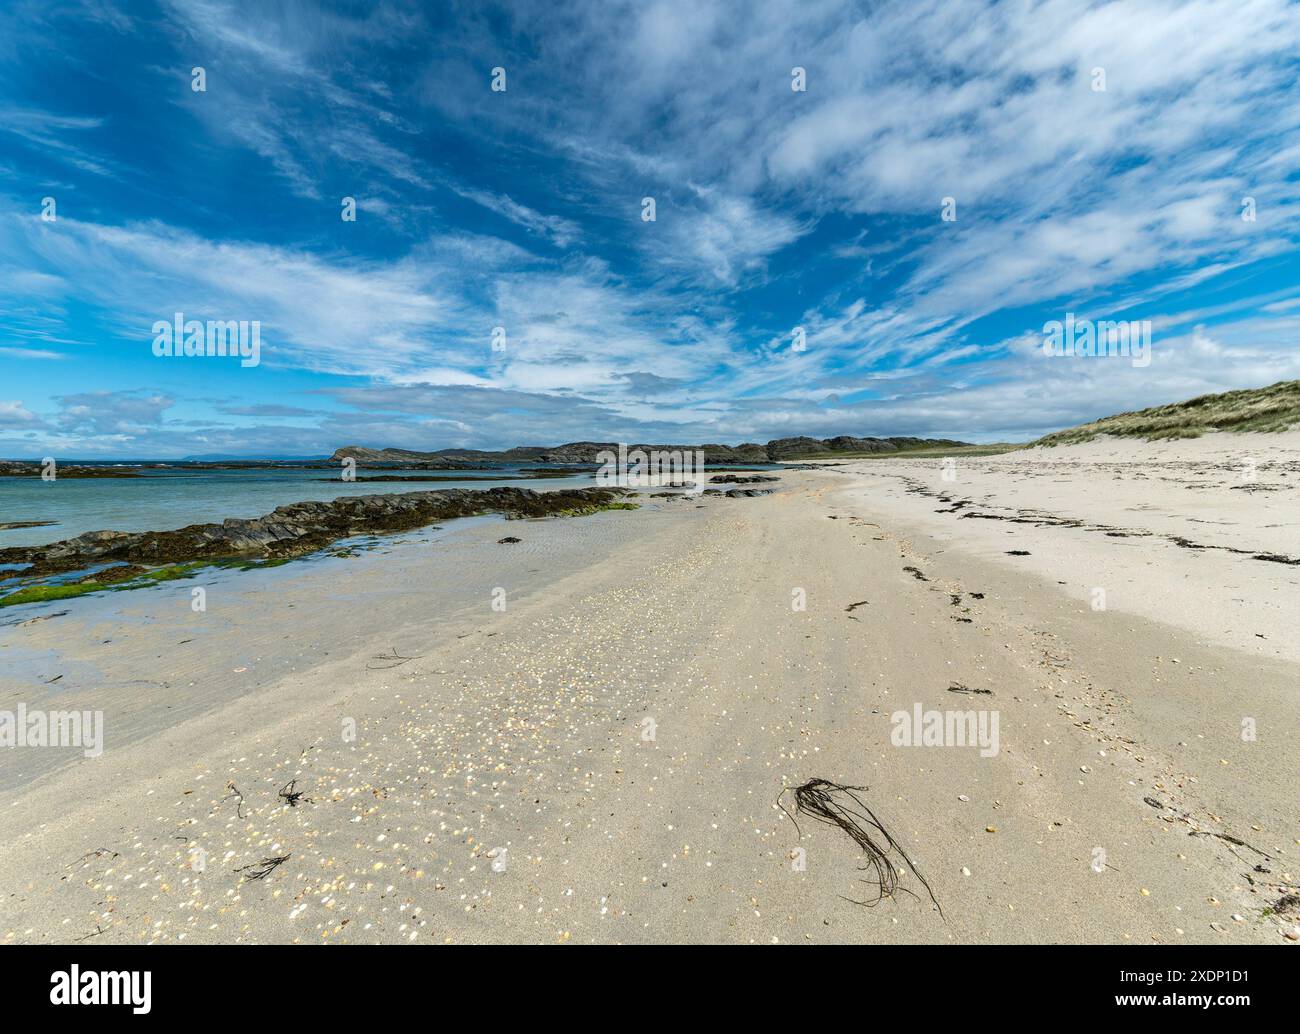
[299, 528]
[736, 479]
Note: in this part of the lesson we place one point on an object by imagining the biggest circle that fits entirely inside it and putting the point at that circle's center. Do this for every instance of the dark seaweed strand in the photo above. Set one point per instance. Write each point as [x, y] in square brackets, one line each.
[818, 798]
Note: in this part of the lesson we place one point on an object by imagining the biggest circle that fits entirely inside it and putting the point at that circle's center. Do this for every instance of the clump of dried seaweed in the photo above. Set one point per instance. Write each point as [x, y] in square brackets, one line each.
[844, 808]
[261, 870]
[292, 796]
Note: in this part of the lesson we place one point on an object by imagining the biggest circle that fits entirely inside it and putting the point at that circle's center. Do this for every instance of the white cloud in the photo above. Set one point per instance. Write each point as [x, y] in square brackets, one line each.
[562, 232]
[14, 414]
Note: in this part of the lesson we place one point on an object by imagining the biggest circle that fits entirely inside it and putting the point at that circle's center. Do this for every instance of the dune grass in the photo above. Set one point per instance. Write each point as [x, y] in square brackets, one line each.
[1275, 408]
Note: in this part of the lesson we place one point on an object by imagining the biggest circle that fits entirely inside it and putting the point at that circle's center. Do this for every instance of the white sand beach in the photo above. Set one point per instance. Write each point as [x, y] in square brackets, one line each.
[601, 760]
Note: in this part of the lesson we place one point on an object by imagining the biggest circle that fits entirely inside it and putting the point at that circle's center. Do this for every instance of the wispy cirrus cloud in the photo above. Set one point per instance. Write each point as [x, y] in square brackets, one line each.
[30, 353]
[56, 135]
[560, 231]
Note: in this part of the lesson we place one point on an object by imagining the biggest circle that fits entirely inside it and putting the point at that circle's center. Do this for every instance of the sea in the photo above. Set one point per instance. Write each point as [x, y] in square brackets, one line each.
[166, 498]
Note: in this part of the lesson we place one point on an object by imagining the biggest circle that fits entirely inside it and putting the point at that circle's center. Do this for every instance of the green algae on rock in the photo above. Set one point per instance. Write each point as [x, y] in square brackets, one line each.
[111, 579]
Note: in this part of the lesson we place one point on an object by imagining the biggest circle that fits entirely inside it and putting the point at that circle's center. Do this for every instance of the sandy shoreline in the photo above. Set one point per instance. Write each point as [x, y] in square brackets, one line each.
[518, 737]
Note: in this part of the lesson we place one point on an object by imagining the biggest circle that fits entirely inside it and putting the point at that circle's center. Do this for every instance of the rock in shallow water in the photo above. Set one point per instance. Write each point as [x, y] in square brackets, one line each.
[304, 527]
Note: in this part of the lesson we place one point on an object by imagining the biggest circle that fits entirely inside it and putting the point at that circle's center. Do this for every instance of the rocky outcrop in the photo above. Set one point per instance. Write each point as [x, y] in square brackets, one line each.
[31, 469]
[738, 493]
[301, 527]
[404, 459]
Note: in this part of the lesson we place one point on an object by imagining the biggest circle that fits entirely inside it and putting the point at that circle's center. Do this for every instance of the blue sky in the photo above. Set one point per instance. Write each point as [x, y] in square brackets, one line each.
[521, 208]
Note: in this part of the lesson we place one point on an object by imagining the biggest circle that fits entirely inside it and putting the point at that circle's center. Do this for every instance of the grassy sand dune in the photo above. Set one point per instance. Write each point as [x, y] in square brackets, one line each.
[1275, 408]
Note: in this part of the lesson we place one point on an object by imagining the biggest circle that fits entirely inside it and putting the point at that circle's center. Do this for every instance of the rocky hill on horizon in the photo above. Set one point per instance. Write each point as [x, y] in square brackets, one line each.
[778, 449]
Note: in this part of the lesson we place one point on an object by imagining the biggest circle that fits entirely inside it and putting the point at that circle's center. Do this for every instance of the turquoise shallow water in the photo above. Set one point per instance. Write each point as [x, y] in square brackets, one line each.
[172, 498]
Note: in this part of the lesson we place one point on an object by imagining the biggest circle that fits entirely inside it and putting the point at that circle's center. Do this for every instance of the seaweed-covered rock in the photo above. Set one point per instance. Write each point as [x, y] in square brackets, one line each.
[304, 527]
